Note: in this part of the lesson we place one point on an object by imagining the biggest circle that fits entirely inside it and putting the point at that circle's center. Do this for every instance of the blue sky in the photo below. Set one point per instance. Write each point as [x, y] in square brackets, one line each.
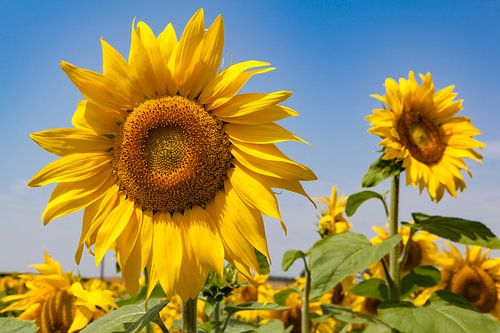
[331, 54]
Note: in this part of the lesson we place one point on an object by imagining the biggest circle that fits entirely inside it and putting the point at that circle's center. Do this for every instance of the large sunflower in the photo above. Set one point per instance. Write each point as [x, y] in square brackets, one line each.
[172, 166]
[58, 303]
[419, 126]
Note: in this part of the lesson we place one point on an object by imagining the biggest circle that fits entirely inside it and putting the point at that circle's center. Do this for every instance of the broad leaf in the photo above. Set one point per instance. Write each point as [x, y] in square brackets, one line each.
[348, 316]
[232, 309]
[274, 326]
[423, 276]
[435, 317]
[354, 201]
[129, 318]
[445, 296]
[457, 230]
[374, 288]
[289, 257]
[381, 170]
[11, 325]
[338, 256]
[281, 296]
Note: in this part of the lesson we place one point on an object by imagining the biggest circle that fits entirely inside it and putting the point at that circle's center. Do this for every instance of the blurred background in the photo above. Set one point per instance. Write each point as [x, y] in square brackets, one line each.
[331, 54]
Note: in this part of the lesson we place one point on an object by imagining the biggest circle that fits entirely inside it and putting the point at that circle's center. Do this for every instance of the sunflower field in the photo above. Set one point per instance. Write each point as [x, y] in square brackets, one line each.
[174, 159]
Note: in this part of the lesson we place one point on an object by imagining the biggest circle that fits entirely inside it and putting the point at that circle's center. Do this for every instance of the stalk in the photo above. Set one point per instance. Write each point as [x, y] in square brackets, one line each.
[189, 316]
[394, 263]
[217, 317]
[305, 323]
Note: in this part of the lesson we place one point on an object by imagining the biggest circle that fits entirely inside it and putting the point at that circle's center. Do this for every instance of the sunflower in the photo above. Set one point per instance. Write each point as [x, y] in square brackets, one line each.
[474, 276]
[423, 250]
[56, 302]
[419, 126]
[332, 221]
[254, 289]
[172, 166]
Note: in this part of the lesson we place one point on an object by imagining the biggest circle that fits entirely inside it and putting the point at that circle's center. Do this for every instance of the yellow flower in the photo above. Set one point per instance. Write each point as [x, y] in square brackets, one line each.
[333, 221]
[423, 250]
[173, 167]
[419, 126]
[256, 289]
[56, 303]
[473, 276]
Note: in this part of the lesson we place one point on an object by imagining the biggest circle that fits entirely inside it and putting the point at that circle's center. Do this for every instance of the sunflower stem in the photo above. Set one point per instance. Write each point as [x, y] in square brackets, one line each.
[217, 317]
[189, 316]
[394, 262]
[305, 322]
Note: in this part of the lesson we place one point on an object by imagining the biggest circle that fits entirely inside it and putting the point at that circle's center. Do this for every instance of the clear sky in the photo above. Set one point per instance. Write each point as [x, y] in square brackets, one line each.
[331, 54]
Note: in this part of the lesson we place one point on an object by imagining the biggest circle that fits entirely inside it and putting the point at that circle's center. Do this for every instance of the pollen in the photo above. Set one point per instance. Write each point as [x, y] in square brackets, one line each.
[171, 155]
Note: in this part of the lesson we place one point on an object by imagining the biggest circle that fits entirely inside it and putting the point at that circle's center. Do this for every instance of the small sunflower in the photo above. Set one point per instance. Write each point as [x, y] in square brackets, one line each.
[423, 250]
[56, 302]
[253, 289]
[332, 221]
[419, 126]
[474, 276]
[172, 166]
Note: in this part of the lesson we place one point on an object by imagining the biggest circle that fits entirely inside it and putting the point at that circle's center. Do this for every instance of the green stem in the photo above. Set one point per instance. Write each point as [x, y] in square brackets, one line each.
[394, 262]
[217, 317]
[189, 316]
[305, 322]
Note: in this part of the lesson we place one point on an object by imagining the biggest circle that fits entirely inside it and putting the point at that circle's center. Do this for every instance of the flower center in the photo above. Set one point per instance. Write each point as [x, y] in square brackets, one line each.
[414, 257]
[475, 285]
[58, 312]
[171, 155]
[421, 136]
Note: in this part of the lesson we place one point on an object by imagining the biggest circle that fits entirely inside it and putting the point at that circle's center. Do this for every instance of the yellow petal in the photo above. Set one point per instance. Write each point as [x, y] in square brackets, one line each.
[237, 248]
[253, 192]
[273, 168]
[71, 197]
[210, 56]
[268, 115]
[65, 141]
[146, 237]
[251, 225]
[167, 252]
[91, 116]
[98, 88]
[112, 227]
[132, 268]
[72, 168]
[185, 55]
[260, 134]
[201, 234]
[229, 82]
[126, 241]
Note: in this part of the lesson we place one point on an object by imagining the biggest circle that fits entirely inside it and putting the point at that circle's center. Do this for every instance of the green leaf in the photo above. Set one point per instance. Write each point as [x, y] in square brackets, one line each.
[274, 326]
[436, 317]
[289, 257]
[232, 309]
[11, 325]
[381, 170]
[129, 318]
[338, 256]
[281, 296]
[457, 230]
[374, 288]
[263, 263]
[354, 201]
[445, 296]
[346, 315]
[422, 276]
